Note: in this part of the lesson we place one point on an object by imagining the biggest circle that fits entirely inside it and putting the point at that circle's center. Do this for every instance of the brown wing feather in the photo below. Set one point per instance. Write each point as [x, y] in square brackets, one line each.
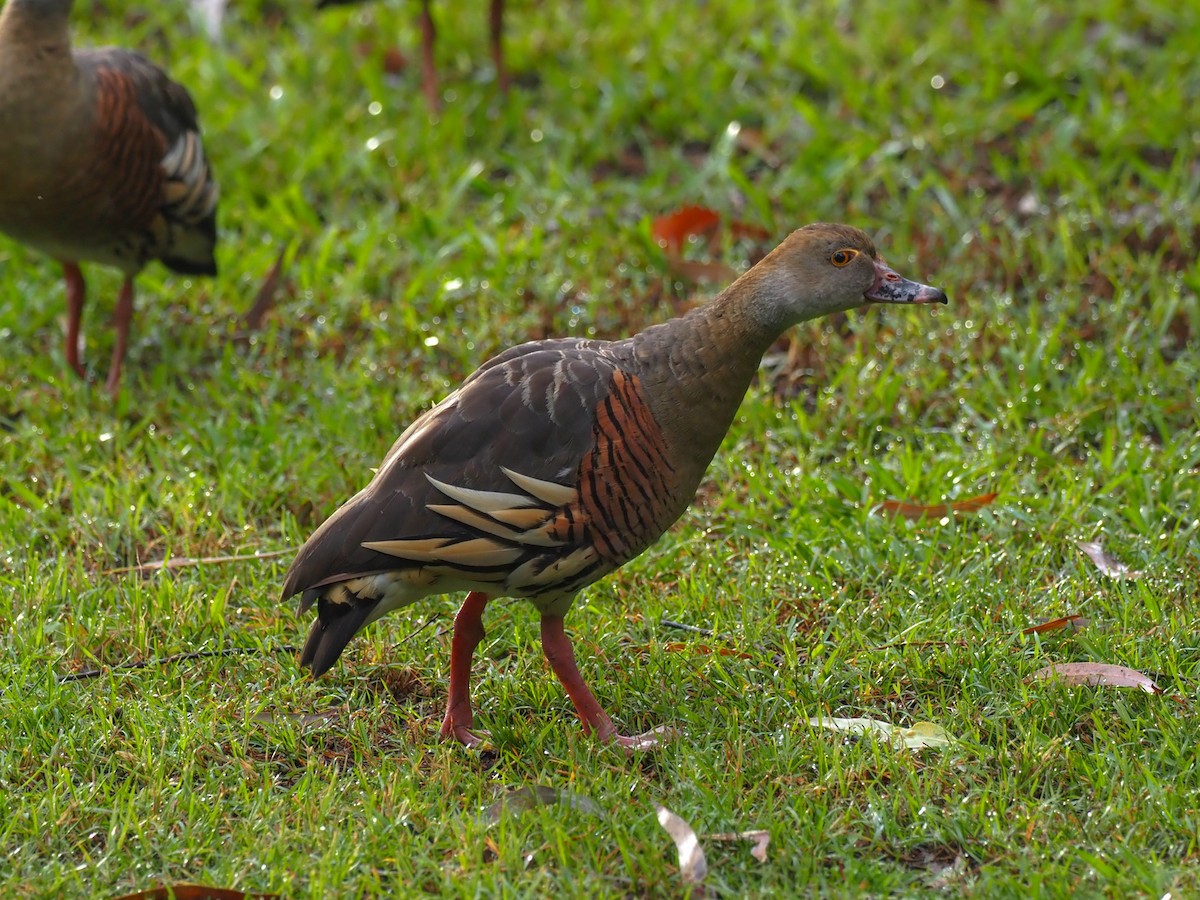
[562, 413]
[149, 180]
[543, 472]
[490, 422]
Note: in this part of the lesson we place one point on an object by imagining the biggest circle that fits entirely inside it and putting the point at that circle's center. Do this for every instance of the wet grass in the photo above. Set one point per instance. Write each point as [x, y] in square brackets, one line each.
[1040, 167]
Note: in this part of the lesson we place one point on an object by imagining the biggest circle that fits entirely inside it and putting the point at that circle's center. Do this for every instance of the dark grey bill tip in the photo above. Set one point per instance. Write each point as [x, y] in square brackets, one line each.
[891, 287]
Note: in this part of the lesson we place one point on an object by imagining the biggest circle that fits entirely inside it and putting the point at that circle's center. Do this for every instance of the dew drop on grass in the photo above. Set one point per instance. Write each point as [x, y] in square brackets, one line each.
[276, 92]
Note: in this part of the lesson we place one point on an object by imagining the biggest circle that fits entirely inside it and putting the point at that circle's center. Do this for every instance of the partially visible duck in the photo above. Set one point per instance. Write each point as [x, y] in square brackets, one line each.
[429, 76]
[560, 460]
[102, 162]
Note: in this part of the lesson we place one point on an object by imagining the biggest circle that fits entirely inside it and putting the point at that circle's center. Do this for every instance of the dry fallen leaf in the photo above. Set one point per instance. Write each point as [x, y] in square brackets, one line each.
[758, 838]
[1105, 563]
[921, 734]
[692, 864]
[1097, 674]
[674, 229]
[937, 510]
[1072, 622]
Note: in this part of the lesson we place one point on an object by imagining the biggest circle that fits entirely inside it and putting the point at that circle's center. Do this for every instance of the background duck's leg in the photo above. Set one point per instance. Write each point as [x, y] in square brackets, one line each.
[429, 78]
[122, 316]
[468, 632]
[497, 32]
[76, 290]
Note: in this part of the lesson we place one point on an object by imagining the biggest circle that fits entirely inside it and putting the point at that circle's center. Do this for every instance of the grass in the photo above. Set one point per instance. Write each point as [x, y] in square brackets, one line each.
[1038, 166]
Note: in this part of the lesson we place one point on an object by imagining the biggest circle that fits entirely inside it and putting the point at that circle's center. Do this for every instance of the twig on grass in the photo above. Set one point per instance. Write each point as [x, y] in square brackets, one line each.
[667, 623]
[179, 562]
[208, 654]
[433, 617]
[174, 658]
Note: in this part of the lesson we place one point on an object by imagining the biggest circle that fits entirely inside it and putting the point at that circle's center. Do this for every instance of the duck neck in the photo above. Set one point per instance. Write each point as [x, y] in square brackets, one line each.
[35, 40]
[39, 81]
[697, 368]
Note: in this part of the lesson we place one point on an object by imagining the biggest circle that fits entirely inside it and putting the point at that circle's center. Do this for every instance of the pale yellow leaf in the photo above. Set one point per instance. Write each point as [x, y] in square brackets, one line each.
[921, 734]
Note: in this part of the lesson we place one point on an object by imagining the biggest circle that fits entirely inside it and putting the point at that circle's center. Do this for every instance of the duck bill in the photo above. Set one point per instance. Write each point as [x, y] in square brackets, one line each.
[892, 287]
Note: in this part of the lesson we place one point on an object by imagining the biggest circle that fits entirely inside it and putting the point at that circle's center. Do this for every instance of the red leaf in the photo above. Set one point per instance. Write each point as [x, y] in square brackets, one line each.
[1105, 563]
[1073, 622]
[1099, 674]
[673, 229]
[938, 510]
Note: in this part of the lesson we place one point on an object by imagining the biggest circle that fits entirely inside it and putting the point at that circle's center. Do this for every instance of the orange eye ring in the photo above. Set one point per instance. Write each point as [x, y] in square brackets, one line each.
[842, 257]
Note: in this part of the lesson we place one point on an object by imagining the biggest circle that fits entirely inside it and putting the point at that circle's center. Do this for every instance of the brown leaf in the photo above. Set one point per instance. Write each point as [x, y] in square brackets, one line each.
[1072, 622]
[194, 892]
[1099, 674]
[1105, 563]
[937, 510]
[394, 62]
[673, 229]
[692, 864]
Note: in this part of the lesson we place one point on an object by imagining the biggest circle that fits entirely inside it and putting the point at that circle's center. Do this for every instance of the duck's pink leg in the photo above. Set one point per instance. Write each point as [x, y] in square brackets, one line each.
[76, 289]
[561, 656]
[468, 632]
[122, 316]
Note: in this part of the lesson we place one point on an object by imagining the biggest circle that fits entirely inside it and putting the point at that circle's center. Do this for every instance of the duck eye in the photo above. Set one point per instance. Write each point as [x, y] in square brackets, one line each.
[842, 257]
